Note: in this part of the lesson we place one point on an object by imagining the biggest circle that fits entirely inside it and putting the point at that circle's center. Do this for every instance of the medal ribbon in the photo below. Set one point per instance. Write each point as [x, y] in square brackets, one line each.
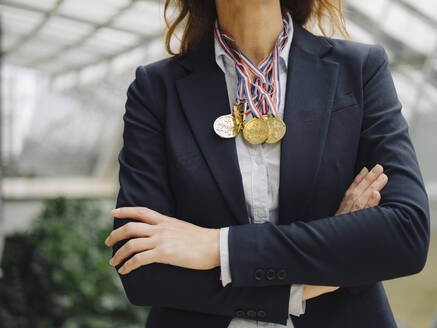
[264, 90]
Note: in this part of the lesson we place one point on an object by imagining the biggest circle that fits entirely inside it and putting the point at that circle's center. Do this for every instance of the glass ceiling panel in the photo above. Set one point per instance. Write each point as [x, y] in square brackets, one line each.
[92, 73]
[8, 40]
[428, 7]
[409, 28]
[109, 41]
[97, 11]
[374, 9]
[144, 17]
[95, 51]
[41, 4]
[65, 31]
[114, 36]
[37, 49]
[397, 21]
[19, 21]
[75, 57]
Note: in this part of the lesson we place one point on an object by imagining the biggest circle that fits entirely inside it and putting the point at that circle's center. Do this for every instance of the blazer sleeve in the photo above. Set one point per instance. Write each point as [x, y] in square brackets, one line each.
[365, 246]
[144, 182]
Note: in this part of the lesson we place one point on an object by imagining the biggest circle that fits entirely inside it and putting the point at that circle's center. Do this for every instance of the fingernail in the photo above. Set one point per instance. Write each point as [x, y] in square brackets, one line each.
[106, 241]
[363, 170]
[378, 167]
[382, 177]
[121, 270]
[115, 211]
[111, 261]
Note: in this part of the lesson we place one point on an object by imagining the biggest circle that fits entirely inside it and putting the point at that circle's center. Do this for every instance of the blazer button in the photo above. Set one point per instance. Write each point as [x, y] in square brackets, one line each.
[259, 274]
[261, 313]
[240, 313]
[251, 313]
[282, 274]
[270, 274]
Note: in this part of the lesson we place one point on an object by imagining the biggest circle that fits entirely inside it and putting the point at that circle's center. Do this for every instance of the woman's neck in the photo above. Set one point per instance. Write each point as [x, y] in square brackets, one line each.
[253, 24]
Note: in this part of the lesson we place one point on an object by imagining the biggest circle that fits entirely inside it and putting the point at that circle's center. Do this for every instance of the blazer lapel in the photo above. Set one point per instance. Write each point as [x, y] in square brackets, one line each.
[204, 97]
[311, 84]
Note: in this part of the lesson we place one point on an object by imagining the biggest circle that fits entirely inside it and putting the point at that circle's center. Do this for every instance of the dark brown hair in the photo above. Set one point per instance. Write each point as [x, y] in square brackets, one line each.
[197, 18]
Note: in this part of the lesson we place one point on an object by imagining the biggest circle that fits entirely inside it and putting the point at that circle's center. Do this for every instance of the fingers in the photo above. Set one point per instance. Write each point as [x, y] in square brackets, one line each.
[371, 196]
[369, 179]
[360, 176]
[374, 199]
[310, 291]
[135, 245]
[128, 230]
[139, 259]
[354, 196]
[357, 180]
[143, 214]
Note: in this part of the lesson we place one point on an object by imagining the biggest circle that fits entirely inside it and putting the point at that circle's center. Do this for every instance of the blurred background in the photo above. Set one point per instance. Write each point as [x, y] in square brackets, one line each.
[66, 66]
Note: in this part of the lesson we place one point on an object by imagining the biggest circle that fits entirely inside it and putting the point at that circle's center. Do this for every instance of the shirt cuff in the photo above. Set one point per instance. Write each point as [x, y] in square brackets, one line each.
[296, 305]
[225, 270]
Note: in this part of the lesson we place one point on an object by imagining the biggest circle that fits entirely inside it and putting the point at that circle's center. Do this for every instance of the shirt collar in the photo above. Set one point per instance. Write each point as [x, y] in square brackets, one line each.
[226, 63]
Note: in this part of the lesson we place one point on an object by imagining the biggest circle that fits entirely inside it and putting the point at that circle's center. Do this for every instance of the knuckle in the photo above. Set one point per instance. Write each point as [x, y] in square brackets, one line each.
[135, 260]
[369, 178]
[139, 211]
[376, 195]
[129, 245]
[125, 228]
[353, 194]
[357, 205]
[128, 227]
[349, 193]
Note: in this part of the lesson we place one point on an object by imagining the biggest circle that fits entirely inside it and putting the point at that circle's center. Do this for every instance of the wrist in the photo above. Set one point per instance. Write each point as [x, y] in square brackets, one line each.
[214, 246]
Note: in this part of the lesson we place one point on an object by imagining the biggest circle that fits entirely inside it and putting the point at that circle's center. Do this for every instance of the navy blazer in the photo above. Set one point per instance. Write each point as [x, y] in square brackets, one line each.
[342, 113]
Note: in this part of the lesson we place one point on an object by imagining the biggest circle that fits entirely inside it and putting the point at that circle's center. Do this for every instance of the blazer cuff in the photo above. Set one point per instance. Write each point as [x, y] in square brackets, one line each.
[225, 270]
[296, 305]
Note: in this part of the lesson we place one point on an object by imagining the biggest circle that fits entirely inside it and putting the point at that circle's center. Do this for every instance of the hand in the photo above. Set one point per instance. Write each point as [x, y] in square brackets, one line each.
[163, 239]
[310, 291]
[362, 193]
[364, 190]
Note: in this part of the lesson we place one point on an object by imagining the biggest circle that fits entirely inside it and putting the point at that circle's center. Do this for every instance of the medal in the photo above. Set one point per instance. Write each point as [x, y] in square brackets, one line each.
[225, 127]
[256, 131]
[277, 128]
[229, 125]
[259, 86]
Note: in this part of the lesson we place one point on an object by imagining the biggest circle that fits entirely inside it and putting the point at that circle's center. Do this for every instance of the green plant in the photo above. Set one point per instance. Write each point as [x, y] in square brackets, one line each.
[58, 275]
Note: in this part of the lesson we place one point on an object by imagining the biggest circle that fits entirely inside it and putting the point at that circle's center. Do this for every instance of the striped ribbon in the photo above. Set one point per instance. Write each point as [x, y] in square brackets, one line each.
[263, 92]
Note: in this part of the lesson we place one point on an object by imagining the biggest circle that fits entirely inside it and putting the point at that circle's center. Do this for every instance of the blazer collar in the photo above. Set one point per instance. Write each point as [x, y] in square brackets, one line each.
[311, 83]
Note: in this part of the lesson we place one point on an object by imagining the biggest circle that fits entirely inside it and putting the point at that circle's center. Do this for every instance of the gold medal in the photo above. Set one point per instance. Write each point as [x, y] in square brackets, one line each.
[277, 127]
[256, 131]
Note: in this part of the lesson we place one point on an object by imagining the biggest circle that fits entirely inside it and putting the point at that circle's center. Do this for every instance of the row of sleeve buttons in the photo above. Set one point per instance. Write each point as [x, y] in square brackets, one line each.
[251, 313]
[270, 274]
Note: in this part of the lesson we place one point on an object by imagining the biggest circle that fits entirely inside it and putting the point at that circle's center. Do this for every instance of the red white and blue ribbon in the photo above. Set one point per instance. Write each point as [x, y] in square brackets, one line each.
[263, 92]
